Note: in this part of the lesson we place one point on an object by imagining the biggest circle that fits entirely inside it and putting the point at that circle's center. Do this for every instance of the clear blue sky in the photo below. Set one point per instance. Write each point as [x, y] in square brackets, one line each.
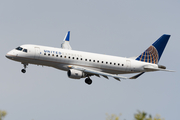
[120, 28]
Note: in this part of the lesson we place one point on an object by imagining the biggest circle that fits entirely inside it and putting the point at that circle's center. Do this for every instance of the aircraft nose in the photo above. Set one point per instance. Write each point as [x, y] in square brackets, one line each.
[9, 55]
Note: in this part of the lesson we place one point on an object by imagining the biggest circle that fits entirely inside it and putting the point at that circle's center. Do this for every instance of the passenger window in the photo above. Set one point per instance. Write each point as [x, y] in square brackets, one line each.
[56, 55]
[118, 64]
[61, 56]
[122, 64]
[98, 61]
[106, 62]
[48, 54]
[52, 54]
[114, 63]
[93, 60]
[85, 59]
[89, 60]
[64, 56]
[110, 62]
[69, 57]
[102, 61]
[73, 58]
[77, 58]
[81, 59]
[44, 53]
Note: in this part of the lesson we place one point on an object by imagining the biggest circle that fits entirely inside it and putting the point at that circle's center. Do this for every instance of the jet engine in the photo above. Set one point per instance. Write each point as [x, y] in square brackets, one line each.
[75, 74]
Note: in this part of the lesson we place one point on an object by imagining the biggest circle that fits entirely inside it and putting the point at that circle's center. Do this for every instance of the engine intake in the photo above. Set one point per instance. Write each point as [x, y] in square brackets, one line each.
[75, 74]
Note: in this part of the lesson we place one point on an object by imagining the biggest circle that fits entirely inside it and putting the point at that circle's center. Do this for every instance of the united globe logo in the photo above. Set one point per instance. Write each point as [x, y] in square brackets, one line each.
[150, 55]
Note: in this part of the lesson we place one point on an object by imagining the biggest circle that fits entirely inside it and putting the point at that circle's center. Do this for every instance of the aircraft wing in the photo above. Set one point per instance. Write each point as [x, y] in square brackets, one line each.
[96, 72]
[65, 44]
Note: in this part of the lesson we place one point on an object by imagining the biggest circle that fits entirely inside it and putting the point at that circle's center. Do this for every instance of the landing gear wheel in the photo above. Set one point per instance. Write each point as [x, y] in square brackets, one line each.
[23, 70]
[25, 66]
[88, 81]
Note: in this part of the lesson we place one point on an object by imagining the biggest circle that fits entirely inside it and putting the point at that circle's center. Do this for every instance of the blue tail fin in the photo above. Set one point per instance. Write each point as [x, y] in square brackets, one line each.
[154, 52]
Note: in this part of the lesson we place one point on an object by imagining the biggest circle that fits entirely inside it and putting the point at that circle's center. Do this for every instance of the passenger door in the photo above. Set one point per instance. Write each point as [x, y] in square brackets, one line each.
[128, 65]
[37, 52]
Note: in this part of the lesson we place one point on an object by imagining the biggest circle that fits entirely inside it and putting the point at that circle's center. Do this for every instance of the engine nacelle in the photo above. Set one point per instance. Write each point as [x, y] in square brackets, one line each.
[75, 74]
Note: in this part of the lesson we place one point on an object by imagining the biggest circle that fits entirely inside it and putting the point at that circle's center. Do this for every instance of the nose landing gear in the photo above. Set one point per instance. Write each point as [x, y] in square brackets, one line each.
[88, 81]
[24, 70]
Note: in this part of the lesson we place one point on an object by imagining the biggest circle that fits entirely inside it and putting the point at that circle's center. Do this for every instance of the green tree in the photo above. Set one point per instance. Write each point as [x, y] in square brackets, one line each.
[112, 117]
[138, 116]
[2, 114]
[143, 116]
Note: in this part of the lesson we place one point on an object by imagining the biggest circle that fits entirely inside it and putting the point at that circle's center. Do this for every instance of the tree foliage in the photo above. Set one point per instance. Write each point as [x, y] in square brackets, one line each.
[143, 116]
[112, 117]
[2, 114]
[138, 116]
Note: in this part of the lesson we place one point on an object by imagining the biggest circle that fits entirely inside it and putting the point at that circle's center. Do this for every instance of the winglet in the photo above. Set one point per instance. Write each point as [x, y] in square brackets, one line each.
[65, 44]
[67, 37]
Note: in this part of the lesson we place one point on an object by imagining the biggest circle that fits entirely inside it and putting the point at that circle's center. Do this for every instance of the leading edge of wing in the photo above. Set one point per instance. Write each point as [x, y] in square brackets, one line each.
[97, 73]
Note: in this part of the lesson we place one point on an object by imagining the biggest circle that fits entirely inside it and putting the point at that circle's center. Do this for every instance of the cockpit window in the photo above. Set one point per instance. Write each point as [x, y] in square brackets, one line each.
[25, 50]
[19, 48]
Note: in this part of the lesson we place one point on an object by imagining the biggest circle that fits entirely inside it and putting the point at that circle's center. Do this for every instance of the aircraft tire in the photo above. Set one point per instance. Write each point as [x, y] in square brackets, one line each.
[88, 81]
[23, 71]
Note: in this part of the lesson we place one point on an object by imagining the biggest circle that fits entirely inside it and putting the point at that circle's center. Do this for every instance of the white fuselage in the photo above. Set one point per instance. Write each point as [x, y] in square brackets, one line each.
[61, 58]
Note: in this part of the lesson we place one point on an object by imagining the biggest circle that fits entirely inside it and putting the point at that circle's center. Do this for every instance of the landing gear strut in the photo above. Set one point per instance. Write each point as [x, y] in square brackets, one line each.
[24, 70]
[88, 81]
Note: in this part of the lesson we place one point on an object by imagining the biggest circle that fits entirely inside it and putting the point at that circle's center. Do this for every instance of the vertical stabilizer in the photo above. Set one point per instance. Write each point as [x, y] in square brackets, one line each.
[154, 52]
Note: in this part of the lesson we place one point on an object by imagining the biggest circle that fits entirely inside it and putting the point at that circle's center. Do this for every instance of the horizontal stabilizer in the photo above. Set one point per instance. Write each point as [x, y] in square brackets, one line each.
[151, 68]
[136, 76]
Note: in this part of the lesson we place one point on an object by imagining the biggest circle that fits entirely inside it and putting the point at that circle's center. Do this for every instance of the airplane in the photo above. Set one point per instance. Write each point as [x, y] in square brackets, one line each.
[79, 64]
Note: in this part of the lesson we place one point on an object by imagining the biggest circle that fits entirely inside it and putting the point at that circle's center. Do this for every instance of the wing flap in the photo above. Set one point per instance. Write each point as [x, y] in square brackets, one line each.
[105, 76]
[117, 78]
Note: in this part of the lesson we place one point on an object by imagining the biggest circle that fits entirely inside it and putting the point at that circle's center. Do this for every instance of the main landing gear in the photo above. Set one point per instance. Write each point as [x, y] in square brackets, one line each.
[24, 70]
[88, 81]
